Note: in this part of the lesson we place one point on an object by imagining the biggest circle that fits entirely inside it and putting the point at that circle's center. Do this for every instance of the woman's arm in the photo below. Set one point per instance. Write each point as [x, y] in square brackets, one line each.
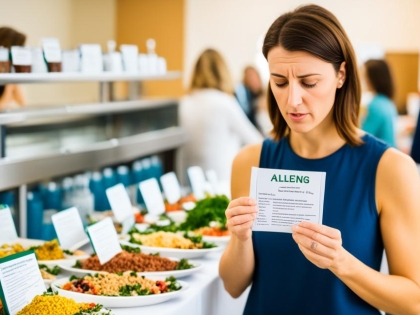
[237, 263]
[398, 201]
[241, 125]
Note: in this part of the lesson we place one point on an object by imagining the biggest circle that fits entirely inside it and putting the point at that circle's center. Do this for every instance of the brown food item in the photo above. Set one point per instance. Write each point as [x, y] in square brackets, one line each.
[126, 261]
[54, 66]
[22, 69]
[4, 66]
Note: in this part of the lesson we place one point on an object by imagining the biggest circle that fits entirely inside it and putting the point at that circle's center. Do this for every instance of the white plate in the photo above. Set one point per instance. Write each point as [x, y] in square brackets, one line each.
[118, 301]
[218, 240]
[67, 265]
[174, 252]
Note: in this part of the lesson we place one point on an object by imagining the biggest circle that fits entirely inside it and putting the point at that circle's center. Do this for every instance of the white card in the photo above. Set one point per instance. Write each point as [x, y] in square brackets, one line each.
[198, 181]
[91, 61]
[104, 239]
[171, 187]
[4, 54]
[130, 58]
[69, 228]
[20, 280]
[52, 50]
[286, 198]
[21, 56]
[8, 232]
[152, 196]
[120, 202]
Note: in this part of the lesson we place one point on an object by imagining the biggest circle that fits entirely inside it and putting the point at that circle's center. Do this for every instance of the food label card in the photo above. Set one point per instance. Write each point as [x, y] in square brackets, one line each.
[91, 61]
[21, 56]
[20, 281]
[52, 50]
[8, 232]
[130, 58]
[286, 198]
[198, 181]
[152, 196]
[104, 240]
[69, 228]
[171, 187]
[121, 206]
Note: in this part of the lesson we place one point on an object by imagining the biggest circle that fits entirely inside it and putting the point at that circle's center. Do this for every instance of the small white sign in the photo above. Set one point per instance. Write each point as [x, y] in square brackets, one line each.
[198, 181]
[91, 61]
[152, 196]
[171, 187]
[120, 202]
[8, 232]
[20, 280]
[4, 54]
[130, 58]
[69, 228]
[52, 50]
[21, 56]
[104, 239]
[286, 197]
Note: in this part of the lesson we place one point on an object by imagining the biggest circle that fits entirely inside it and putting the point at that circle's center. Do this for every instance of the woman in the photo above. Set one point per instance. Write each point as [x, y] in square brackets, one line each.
[11, 93]
[371, 197]
[217, 126]
[381, 111]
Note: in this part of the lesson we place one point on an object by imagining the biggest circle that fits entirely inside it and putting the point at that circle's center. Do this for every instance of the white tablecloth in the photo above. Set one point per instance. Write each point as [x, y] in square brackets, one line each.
[206, 295]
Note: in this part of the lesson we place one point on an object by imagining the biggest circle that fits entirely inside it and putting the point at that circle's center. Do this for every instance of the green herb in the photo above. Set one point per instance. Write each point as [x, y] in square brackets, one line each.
[119, 273]
[134, 241]
[130, 249]
[133, 274]
[184, 264]
[73, 277]
[128, 290]
[68, 252]
[54, 271]
[172, 284]
[78, 265]
[155, 254]
[206, 211]
[49, 292]
[198, 239]
[93, 310]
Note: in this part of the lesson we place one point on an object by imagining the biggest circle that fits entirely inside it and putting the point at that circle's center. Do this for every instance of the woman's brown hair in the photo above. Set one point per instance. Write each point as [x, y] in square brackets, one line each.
[379, 76]
[211, 72]
[317, 31]
[10, 37]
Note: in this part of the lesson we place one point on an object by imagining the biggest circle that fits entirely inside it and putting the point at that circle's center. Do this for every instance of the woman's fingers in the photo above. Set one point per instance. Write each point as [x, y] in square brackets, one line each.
[241, 219]
[321, 229]
[312, 235]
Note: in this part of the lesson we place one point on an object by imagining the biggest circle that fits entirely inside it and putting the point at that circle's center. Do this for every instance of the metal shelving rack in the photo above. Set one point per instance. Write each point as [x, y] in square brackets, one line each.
[18, 172]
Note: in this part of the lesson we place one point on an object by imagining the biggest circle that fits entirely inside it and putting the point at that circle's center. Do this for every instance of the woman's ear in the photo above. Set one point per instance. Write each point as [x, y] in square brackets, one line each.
[341, 77]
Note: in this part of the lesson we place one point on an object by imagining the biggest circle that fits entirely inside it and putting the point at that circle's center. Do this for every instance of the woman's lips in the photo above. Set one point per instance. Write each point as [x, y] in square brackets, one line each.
[297, 116]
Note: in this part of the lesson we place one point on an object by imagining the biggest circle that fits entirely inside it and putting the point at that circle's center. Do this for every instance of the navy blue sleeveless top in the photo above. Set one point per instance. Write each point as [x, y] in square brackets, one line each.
[284, 281]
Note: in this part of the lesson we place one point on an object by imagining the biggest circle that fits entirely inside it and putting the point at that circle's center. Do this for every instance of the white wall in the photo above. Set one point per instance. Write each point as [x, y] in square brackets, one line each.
[234, 26]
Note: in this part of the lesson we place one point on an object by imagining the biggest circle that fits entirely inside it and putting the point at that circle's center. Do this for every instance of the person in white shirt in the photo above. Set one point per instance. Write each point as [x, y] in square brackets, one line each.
[216, 125]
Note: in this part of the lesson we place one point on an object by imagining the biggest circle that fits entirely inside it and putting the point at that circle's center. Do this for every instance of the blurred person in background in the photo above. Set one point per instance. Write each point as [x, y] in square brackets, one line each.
[217, 126]
[11, 94]
[248, 93]
[381, 113]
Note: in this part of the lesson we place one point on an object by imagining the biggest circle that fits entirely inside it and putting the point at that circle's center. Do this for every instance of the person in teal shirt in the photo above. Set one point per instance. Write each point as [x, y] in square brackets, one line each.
[381, 111]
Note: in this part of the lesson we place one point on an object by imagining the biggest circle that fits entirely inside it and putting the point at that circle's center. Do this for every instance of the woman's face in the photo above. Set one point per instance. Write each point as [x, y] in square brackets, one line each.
[304, 87]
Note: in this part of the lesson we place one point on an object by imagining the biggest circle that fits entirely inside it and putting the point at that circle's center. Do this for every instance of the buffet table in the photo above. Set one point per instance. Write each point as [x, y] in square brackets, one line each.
[205, 296]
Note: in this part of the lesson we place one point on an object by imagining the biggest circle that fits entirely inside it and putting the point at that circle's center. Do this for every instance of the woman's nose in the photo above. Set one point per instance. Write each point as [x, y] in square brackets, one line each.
[295, 95]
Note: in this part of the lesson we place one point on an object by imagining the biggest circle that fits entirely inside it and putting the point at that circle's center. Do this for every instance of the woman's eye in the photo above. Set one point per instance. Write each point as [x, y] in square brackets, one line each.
[280, 85]
[308, 85]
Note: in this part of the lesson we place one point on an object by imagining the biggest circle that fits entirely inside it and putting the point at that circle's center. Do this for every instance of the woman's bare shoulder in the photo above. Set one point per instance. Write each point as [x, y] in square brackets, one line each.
[247, 158]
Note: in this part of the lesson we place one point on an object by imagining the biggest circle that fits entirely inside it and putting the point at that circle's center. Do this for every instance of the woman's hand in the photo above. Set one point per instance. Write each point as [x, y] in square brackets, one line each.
[321, 245]
[240, 215]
